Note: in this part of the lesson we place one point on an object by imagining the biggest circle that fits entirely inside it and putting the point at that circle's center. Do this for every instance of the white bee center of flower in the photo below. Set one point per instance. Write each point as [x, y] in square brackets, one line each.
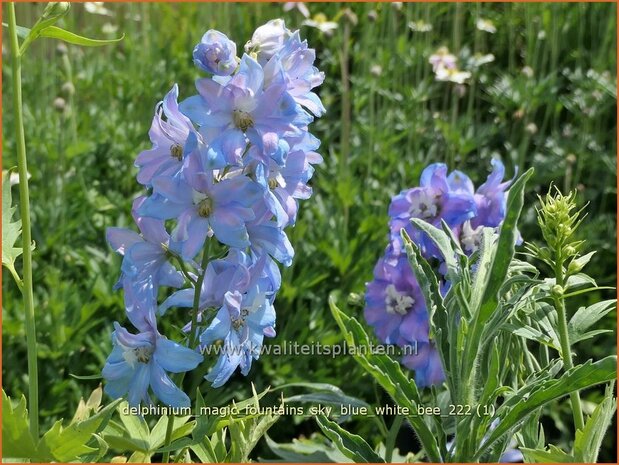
[423, 205]
[138, 354]
[242, 120]
[470, 238]
[204, 203]
[176, 151]
[396, 302]
[239, 322]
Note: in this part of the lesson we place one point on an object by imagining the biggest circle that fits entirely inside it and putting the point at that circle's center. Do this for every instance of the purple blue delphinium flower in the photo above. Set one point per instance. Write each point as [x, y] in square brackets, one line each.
[215, 54]
[143, 360]
[393, 295]
[425, 361]
[491, 198]
[439, 198]
[394, 303]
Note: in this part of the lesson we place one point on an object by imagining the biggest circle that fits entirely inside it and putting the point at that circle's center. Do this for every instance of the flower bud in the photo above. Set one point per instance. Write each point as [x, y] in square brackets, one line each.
[61, 49]
[59, 104]
[268, 40]
[56, 9]
[215, 54]
[68, 89]
[556, 291]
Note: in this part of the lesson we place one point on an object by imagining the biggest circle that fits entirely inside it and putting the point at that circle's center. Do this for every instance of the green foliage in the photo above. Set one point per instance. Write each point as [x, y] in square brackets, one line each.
[77, 441]
[351, 445]
[11, 230]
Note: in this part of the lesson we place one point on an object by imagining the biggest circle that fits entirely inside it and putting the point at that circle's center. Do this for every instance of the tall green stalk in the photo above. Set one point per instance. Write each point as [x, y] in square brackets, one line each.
[24, 205]
[566, 349]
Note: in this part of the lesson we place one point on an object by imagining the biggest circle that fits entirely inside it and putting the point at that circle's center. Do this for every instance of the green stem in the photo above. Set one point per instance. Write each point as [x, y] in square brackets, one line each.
[24, 205]
[566, 352]
[193, 338]
[393, 435]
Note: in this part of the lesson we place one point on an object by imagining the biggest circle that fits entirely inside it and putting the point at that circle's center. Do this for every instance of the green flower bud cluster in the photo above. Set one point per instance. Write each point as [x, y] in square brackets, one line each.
[559, 218]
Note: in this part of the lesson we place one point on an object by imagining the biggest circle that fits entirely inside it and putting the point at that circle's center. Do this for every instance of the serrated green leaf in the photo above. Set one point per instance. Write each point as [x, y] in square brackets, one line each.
[542, 390]
[11, 230]
[443, 243]
[68, 444]
[586, 317]
[351, 445]
[54, 32]
[552, 455]
[588, 442]
[389, 375]
[17, 442]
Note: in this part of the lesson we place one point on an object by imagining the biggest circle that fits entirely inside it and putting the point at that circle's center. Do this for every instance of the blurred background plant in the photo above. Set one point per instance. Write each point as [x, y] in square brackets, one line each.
[407, 84]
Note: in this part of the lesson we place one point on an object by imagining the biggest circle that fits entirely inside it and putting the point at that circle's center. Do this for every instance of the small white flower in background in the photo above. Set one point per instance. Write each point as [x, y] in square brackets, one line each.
[299, 6]
[97, 8]
[322, 23]
[376, 70]
[527, 71]
[397, 5]
[109, 28]
[444, 65]
[486, 25]
[452, 75]
[479, 59]
[442, 59]
[420, 26]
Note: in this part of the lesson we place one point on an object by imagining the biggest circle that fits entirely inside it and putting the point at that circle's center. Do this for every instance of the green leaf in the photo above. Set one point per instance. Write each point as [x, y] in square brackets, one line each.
[17, 442]
[54, 32]
[352, 446]
[22, 32]
[443, 243]
[540, 391]
[304, 450]
[553, 455]
[11, 230]
[588, 442]
[497, 272]
[68, 444]
[586, 317]
[389, 375]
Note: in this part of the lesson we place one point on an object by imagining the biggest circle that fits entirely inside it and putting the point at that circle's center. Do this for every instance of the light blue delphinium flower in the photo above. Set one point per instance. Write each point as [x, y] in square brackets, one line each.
[224, 206]
[297, 61]
[246, 316]
[145, 255]
[244, 110]
[173, 138]
[221, 276]
[139, 361]
[215, 54]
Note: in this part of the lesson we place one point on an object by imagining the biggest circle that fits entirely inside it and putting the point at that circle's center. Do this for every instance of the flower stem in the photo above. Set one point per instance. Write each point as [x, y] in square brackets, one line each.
[24, 205]
[193, 338]
[566, 352]
[393, 434]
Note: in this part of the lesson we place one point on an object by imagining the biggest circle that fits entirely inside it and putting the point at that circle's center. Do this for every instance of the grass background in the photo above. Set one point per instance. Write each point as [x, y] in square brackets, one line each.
[548, 100]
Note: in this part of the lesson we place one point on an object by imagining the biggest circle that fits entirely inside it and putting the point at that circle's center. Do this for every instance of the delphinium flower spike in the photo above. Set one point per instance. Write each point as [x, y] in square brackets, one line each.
[227, 165]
